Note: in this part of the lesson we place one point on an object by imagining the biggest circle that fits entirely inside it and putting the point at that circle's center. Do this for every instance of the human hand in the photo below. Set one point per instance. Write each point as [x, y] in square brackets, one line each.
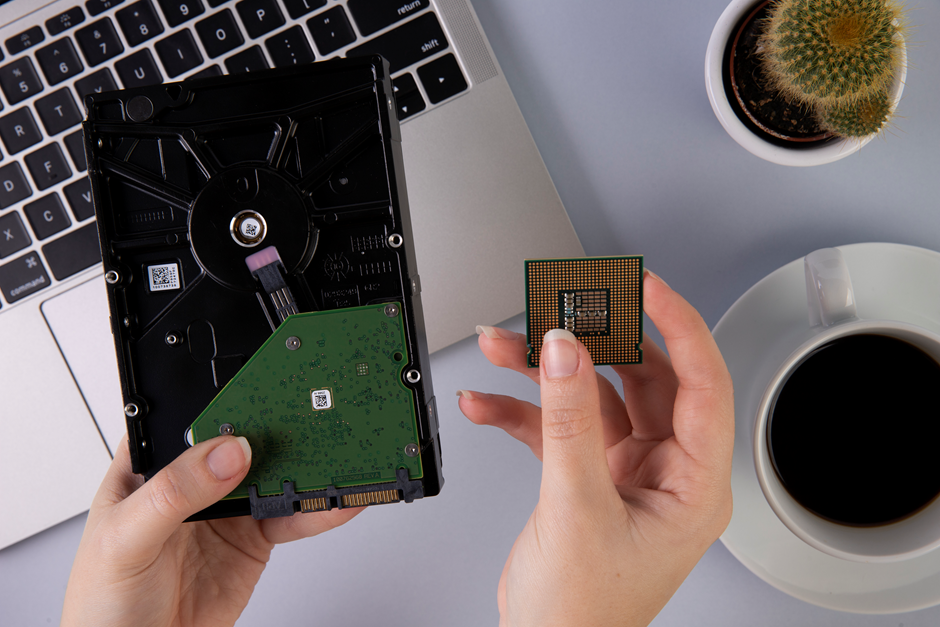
[138, 564]
[633, 491]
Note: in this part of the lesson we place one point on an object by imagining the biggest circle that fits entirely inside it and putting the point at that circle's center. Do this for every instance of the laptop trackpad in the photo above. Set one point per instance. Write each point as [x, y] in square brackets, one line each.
[79, 321]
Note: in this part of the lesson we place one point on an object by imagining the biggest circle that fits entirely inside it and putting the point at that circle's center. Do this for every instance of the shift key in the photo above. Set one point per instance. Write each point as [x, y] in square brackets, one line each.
[23, 276]
[411, 42]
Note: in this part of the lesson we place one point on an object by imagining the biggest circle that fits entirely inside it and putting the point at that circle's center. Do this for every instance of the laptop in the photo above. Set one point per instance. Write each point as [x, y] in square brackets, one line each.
[481, 199]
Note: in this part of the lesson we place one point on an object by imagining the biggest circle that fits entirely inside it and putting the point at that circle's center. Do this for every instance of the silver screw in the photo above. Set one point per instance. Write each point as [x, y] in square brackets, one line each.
[391, 310]
[172, 339]
[395, 240]
[412, 376]
[131, 410]
[127, 321]
[188, 437]
[293, 342]
[112, 277]
[226, 429]
[412, 450]
[100, 143]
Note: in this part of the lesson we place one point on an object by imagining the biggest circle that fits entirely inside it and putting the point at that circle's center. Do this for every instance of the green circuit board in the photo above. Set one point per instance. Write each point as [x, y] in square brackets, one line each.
[322, 403]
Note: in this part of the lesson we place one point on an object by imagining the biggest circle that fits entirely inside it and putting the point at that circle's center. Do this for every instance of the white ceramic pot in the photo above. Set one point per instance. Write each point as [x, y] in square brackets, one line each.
[714, 84]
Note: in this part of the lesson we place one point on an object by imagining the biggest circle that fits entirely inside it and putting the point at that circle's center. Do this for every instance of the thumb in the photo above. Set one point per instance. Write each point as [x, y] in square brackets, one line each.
[196, 479]
[574, 460]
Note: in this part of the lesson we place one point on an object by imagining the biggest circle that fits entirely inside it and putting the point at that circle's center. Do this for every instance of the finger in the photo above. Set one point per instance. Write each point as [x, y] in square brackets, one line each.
[290, 528]
[119, 482]
[196, 479]
[506, 349]
[649, 393]
[519, 419]
[574, 462]
[703, 418]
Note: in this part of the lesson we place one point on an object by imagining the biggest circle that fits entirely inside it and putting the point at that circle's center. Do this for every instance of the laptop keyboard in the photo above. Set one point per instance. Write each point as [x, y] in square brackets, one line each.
[47, 226]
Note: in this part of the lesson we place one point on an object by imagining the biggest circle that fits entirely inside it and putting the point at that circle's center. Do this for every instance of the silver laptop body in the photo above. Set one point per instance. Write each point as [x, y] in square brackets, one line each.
[481, 198]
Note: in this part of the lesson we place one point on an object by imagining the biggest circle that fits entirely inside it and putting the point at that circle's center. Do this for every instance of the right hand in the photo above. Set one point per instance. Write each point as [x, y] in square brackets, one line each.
[633, 491]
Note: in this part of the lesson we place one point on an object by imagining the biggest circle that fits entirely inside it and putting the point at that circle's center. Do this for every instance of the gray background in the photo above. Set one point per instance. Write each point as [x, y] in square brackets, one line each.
[613, 92]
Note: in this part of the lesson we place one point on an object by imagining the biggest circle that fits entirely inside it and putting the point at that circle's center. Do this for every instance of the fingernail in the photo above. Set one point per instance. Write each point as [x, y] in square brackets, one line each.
[472, 396]
[560, 354]
[495, 333]
[657, 277]
[227, 460]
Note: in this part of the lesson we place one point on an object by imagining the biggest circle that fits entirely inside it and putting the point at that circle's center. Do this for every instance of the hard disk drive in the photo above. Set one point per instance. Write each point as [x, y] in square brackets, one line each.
[261, 275]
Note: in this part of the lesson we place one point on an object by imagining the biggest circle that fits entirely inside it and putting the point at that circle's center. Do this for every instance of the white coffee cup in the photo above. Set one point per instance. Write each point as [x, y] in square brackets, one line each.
[833, 315]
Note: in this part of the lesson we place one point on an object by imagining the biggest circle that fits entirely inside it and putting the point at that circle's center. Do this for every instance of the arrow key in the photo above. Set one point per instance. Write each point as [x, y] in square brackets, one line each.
[442, 78]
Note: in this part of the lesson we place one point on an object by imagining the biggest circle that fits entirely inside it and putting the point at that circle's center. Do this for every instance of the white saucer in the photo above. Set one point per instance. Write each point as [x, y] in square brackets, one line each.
[891, 281]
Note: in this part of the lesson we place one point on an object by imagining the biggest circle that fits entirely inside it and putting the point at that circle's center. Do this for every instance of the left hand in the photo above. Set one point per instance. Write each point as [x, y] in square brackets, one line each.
[139, 564]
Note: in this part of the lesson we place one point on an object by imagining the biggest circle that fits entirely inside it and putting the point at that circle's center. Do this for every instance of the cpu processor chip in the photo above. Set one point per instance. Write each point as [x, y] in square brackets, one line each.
[598, 299]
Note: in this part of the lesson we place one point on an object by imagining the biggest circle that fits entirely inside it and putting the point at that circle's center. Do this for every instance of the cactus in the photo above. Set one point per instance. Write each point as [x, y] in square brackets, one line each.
[860, 118]
[825, 53]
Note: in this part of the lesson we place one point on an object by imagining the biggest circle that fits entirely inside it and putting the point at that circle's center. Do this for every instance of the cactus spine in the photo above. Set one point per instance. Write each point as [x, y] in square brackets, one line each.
[860, 118]
[834, 56]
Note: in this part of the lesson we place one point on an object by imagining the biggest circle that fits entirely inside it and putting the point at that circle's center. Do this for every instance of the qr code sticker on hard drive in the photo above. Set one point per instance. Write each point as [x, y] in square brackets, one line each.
[165, 276]
[321, 399]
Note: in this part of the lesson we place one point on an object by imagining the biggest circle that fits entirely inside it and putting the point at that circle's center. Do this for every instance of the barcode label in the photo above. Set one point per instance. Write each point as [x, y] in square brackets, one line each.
[321, 399]
[164, 277]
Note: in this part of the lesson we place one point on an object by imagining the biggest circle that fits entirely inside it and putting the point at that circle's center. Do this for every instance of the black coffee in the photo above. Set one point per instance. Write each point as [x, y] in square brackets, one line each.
[855, 432]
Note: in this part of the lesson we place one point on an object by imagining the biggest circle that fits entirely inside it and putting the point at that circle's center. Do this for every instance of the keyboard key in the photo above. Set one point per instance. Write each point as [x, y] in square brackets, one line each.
[48, 166]
[407, 96]
[404, 85]
[26, 39]
[250, 60]
[75, 144]
[59, 61]
[47, 216]
[299, 8]
[73, 252]
[374, 15]
[139, 22]
[23, 276]
[178, 11]
[410, 104]
[331, 30]
[96, 7]
[95, 83]
[138, 70]
[99, 42]
[58, 111]
[260, 17]
[13, 185]
[212, 70]
[19, 131]
[219, 33]
[411, 42]
[79, 196]
[289, 48]
[19, 80]
[65, 20]
[179, 53]
[215, 3]
[442, 78]
[13, 236]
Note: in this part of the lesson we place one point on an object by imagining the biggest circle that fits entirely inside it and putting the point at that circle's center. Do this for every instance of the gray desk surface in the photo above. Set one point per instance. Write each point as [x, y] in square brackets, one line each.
[613, 92]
